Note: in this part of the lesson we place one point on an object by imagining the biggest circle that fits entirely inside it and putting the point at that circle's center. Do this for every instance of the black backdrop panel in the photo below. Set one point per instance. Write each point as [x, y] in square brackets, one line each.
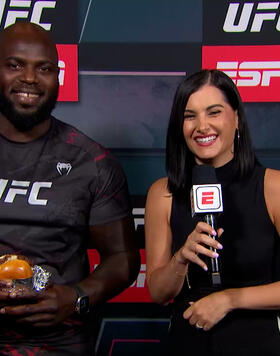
[150, 35]
[231, 22]
[59, 15]
[157, 57]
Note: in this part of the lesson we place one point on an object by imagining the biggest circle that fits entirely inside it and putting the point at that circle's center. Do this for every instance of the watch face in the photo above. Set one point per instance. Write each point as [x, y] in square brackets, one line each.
[83, 305]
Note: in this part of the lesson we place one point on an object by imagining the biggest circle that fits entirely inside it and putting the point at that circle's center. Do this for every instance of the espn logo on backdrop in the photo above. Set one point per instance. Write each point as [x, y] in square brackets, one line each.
[206, 198]
[138, 291]
[254, 69]
[68, 75]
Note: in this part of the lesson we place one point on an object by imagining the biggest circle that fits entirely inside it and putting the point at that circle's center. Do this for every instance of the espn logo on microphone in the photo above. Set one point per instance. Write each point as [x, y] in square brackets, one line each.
[254, 69]
[206, 198]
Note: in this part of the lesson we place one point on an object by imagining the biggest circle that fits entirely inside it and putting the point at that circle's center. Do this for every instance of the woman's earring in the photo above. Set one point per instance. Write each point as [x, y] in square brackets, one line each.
[238, 136]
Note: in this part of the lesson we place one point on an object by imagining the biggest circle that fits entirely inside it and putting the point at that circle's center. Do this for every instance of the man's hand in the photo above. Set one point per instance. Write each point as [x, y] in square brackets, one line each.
[39, 309]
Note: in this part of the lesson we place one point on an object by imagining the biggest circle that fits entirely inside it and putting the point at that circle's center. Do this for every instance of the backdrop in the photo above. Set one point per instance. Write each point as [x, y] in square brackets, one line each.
[121, 61]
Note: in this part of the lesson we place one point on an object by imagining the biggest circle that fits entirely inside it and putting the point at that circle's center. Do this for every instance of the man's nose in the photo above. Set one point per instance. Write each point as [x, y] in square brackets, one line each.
[29, 75]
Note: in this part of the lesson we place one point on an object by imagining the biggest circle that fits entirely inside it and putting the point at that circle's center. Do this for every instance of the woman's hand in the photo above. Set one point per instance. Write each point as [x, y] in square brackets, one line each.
[199, 242]
[208, 311]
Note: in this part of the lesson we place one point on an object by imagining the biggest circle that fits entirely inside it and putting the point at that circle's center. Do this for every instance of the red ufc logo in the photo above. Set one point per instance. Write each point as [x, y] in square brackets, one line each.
[207, 198]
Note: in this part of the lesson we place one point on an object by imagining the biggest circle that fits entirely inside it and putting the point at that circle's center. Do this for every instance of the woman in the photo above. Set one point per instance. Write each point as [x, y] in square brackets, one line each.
[207, 126]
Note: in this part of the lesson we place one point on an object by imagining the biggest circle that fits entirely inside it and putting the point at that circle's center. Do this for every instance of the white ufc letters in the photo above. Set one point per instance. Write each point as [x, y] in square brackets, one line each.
[265, 11]
[26, 188]
[253, 73]
[26, 11]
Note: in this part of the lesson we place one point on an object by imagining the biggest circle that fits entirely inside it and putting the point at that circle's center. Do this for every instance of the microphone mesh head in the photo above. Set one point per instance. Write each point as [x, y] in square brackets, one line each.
[204, 174]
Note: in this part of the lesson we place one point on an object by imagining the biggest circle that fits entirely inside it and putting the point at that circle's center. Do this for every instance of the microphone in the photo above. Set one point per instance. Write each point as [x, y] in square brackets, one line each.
[206, 202]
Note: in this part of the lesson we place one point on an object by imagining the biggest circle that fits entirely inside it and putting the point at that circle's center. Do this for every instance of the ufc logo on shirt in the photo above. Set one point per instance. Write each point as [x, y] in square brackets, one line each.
[23, 9]
[9, 192]
[239, 22]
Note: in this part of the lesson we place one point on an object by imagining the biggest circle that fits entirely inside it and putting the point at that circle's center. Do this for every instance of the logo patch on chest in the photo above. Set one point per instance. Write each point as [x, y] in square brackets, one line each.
[63, 168]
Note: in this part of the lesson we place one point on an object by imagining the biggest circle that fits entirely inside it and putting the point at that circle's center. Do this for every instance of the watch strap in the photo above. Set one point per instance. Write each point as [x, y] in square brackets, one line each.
[82, 301]
[80, 292]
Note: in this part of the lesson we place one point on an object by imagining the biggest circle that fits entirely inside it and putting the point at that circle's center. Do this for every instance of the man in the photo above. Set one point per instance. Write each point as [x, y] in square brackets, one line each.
[60, 193]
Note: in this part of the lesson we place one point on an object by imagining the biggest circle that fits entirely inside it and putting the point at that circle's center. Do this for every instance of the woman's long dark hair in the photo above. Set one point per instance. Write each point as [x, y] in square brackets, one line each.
[179, 159]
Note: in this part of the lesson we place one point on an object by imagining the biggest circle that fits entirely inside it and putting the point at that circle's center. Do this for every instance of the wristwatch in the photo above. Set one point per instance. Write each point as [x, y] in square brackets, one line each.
[82, 302]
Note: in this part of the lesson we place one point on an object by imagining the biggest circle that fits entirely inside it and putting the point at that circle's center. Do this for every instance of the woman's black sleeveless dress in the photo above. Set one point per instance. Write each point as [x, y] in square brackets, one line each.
[250, 256]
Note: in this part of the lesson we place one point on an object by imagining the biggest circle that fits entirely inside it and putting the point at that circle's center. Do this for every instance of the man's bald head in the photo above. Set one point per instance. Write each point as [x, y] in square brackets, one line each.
[28, 75]
[28, 32]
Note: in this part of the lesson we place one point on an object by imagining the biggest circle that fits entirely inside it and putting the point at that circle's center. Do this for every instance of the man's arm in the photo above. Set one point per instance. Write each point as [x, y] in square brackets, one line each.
[119, 266]
[119, 259]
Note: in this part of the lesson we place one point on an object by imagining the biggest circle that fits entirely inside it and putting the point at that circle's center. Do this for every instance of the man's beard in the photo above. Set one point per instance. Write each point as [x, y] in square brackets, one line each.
[25, 122]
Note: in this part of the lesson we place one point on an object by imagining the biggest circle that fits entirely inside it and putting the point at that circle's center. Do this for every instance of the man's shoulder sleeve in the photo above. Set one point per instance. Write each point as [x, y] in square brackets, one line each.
[109, 189]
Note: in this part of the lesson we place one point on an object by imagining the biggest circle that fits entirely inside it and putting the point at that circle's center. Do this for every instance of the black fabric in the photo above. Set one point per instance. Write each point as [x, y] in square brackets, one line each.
[51, 191]
[249, 257]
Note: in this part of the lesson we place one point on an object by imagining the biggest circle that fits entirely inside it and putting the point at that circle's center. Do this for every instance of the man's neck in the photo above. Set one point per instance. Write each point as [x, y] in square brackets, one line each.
[8, 130]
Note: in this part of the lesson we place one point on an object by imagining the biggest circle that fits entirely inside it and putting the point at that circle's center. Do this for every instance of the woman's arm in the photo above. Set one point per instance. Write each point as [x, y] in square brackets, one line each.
[162, 280]
[265, 296]
[208, 311]
[166, 273]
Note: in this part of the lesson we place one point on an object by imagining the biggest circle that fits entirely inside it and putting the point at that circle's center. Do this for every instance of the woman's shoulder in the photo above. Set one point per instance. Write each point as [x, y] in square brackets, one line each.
[272, 192]
[159, 201]
[272, 179]
[159, 193]
[159, 187]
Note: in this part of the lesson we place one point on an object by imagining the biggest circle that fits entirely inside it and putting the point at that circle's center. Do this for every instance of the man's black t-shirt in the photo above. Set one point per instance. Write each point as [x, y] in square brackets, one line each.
[51, 191]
